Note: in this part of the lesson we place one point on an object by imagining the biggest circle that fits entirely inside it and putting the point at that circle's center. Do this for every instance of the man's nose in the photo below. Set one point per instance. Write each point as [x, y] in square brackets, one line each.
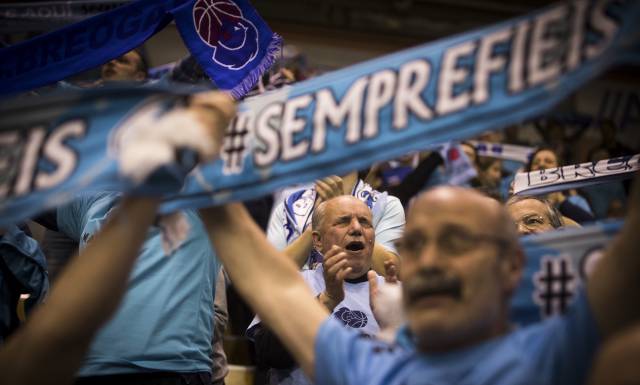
[522, 229]
[355, 228]
[430, 255]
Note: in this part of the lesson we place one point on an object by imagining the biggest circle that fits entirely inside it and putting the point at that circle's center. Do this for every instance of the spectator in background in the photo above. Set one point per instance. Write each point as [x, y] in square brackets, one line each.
[289, 228]
[489, 176]
[343, 233]
[533, 215]
[132, 66]
[570, 205]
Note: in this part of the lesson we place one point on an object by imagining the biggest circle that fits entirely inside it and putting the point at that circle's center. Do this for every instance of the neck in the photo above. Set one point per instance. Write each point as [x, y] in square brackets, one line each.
[357, 279]
[439, 343]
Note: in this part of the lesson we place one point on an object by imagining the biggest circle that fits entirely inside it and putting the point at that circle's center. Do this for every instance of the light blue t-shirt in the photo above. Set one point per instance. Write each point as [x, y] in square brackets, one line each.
[165, 320]
[556, 351]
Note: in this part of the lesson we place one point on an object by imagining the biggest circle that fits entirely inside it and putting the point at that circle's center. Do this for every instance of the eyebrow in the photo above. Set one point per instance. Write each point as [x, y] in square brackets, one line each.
[452, 227]
[530, 215]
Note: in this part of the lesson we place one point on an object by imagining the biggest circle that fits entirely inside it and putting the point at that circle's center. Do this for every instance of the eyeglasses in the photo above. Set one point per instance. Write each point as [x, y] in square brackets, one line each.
[532, 222]
[452, 242]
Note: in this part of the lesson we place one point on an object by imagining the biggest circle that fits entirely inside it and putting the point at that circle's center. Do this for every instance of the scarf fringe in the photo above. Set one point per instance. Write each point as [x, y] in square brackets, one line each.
[273, 53]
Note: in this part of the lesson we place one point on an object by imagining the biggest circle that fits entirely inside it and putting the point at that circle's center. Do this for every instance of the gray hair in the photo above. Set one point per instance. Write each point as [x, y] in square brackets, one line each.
[555, 218]
[317, 217]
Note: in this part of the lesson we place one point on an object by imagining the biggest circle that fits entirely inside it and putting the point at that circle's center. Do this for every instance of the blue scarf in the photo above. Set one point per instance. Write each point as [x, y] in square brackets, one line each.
[229, 40]
[332, 124]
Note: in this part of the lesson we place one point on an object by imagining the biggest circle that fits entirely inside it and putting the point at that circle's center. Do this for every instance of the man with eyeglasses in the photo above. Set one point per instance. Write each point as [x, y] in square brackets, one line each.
[533, 215]
[461, 263]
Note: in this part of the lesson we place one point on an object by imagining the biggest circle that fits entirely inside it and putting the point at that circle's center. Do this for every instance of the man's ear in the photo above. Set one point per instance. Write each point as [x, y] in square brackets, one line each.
[317, 240]
[512, 266]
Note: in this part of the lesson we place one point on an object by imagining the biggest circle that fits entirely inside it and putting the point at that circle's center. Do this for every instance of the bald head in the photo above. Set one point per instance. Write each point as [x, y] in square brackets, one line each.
[482, 213]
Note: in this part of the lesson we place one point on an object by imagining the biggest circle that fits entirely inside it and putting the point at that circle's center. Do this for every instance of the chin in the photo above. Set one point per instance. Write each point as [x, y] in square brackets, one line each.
[437, 332]
[357, 271]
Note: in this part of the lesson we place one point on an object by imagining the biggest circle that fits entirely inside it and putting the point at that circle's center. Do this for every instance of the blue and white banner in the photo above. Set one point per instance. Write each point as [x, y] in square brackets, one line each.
[228, 38]
[558, 263]
[576, 175]
[342, 121]
[458, 169]
[503, 151]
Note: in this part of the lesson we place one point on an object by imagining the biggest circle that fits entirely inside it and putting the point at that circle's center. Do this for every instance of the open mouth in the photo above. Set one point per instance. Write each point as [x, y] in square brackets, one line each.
[355, 246]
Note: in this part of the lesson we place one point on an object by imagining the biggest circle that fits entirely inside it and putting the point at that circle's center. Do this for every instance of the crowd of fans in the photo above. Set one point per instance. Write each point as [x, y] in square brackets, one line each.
[382, 276]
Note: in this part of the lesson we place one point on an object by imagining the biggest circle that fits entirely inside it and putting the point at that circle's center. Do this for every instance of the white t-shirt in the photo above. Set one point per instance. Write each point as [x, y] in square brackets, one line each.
[354, 312]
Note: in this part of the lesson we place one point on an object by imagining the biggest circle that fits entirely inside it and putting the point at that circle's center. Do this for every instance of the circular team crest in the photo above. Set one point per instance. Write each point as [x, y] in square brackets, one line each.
[353, 318]
[221, 25]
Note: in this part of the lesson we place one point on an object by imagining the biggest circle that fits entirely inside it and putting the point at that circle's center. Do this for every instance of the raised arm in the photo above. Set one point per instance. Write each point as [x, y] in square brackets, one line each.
[614, 287]
[49, 348]
[267, 279]
[58, 333]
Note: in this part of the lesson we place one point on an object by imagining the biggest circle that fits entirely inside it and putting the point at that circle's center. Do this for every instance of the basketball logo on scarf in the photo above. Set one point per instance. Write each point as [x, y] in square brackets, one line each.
[222, 26]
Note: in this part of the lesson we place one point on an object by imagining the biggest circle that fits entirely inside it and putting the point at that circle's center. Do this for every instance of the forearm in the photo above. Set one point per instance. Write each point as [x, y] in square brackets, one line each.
[266, 279]
[614, 287]
[327, 301]
[300, 249]
[381, 254]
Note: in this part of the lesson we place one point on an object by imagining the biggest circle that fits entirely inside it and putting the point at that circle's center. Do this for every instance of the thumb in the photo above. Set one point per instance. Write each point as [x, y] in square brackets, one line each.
[372, 277]
[390, 272]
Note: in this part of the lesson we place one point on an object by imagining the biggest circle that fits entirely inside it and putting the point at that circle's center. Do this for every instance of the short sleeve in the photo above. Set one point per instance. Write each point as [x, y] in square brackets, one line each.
[73, 216]
[344, 356]
[391, 225]
[70, 217]
[275, 230]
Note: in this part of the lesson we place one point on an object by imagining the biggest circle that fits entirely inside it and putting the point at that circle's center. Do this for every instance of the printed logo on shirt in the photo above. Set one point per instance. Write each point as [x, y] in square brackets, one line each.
[352, 318]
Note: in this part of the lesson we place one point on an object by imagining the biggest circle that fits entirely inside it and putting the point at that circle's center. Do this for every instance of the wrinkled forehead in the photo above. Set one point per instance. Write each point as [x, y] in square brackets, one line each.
[527, 207]
[347, 205]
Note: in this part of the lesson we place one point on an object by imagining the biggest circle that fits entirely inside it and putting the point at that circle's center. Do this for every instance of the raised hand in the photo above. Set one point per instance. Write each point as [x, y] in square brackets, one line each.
[329, 187]
[386, 300]
[149, 142]
[335, 270]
